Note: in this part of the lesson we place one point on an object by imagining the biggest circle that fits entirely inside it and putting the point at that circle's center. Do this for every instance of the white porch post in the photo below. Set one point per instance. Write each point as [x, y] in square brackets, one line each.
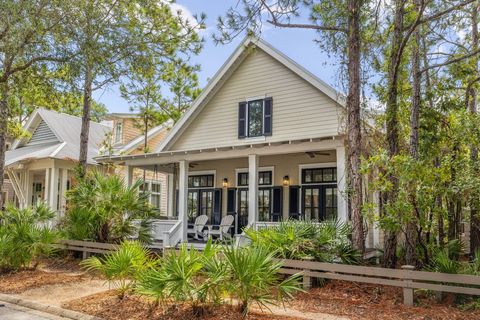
[46, 192]
[28, 190]
[63, 187]
[170, 194]
[129, 175]
[252, 189]
[53, 184]
[182, 197]
[341, 185]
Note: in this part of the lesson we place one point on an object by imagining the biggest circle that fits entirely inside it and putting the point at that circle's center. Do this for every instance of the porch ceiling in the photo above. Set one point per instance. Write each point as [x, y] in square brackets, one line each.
[225, 152]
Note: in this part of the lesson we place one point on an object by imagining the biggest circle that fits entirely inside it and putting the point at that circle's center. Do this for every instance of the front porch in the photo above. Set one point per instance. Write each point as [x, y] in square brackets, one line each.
[302, 180]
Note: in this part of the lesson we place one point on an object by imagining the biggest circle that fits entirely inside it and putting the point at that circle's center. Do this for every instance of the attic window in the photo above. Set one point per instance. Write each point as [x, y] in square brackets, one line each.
[255, 118]
[118, 132]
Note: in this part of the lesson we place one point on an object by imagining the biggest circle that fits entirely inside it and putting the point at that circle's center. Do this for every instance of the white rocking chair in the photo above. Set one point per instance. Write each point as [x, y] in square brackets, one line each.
[223, 228]
[197, 229]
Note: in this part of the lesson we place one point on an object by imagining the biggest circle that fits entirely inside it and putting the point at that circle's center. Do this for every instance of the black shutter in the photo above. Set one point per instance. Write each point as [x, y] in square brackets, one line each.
[267, 117]
[231, 193]
[242, 120]
[277, 204]
[217, 206]
[294, 211]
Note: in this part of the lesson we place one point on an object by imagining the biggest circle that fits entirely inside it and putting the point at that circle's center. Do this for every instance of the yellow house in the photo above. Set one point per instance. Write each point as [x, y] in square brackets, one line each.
[263, 142]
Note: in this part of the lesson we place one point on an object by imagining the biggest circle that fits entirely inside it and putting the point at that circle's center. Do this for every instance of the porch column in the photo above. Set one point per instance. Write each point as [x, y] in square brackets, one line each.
[252, 189]
[129, 175]
[182, 197]
[341, 185]
[64, 183]
[170, 194]
[53, 183]
[28, 190]
[46, 191]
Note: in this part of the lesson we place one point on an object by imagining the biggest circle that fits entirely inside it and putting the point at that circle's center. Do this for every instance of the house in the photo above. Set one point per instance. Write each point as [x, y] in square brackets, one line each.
[263, 142]
[128, 138]
[41, 166]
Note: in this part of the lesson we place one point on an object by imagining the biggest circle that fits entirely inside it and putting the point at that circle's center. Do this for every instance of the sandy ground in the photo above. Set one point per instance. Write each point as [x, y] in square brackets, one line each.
[58, 294]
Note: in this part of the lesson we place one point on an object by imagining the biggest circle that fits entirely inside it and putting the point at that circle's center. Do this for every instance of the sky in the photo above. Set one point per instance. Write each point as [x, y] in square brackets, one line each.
[298, 44]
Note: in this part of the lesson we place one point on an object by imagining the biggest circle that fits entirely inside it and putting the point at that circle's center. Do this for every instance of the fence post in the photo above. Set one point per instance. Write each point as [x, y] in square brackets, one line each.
[307, 280]
[407, 289]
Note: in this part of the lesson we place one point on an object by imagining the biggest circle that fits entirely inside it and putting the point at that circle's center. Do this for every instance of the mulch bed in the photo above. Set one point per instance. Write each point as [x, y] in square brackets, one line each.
[49, 272]
[368, 302]
[108, 306]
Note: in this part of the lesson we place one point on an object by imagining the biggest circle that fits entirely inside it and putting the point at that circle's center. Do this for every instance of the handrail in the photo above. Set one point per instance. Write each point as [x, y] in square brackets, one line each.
[168, 235]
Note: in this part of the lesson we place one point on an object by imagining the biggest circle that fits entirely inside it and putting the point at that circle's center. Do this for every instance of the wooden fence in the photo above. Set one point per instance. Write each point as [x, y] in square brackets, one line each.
[406, 278]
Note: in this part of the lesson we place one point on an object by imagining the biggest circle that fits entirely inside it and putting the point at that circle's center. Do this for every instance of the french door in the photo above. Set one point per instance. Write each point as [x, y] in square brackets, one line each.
[319, 202]
[200, 202]
[242, 210]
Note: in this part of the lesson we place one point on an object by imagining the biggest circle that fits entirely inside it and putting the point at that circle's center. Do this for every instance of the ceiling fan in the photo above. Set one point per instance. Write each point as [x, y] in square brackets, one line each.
[192, 165]
[312, 154]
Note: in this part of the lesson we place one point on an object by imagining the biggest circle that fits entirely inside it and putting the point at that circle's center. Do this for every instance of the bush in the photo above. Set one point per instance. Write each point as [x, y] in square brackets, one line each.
[247, 274]
[103, 209]
[326, 242]
[122, 266]
[25, 237]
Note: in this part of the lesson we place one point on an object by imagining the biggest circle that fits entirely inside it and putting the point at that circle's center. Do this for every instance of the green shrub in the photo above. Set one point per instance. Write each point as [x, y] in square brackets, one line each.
[326, 242]
[122, 266]
[103, 209]
[25, 237]
[252, 276]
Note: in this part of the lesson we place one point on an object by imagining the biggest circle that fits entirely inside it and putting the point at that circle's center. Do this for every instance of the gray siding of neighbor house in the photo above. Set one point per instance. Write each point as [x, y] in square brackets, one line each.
[299, 109]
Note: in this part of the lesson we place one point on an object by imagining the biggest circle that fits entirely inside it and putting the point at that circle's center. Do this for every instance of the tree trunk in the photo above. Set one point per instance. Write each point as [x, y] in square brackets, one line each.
[390, 245]
[87, 102]
[411, 234]
[474, 203]
[3, 132]
[354, 144]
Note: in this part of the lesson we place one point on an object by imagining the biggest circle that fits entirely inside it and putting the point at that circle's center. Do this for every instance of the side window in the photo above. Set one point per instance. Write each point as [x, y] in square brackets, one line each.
[118, 132]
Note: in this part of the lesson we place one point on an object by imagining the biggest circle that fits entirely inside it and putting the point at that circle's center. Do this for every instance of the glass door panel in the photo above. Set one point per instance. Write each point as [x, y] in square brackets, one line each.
[242, 212]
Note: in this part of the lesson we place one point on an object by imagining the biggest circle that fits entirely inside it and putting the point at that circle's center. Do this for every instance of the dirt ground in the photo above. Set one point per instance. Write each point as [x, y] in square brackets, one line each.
[107, 305]
[63, 283]
[369, 302]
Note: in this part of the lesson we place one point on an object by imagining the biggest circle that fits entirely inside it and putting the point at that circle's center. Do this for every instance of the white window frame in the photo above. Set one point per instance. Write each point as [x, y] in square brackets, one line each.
[247, 118]
[315, 166]
[202, 173]
[118, 137]
[149, 189]
[241, 170]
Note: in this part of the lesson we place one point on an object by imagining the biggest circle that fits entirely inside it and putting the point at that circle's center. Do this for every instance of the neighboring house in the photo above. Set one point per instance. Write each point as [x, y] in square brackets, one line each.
[129, 139]
[264, 141]
[8, 194]
[41, 167]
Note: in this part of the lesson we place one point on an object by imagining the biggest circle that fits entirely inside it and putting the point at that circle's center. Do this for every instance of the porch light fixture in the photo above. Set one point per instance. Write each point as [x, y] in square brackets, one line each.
[286, 181]
[225, 182]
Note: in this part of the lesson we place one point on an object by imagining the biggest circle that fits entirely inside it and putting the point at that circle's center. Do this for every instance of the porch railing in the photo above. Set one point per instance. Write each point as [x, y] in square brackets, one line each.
[173, 236]
[159, 227]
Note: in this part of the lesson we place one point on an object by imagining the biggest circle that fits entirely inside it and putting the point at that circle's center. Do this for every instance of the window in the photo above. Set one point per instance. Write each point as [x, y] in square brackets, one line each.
[264, 178]
[319, 175]
[118, 132]
[201, 181]
[255, 118]
[154, 188]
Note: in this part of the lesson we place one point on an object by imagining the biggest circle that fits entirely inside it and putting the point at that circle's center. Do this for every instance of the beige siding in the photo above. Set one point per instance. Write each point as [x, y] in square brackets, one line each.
[153, 143]
[299, 109]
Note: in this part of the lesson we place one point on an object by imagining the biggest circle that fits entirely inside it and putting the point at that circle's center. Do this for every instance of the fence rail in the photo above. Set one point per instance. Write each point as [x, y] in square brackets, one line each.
[406, 278]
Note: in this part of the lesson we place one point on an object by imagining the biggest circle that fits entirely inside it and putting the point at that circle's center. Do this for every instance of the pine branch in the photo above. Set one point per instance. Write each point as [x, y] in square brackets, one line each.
[451, 61]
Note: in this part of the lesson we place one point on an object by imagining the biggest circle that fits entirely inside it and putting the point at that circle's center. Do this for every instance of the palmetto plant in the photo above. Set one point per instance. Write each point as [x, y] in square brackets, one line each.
[104, 209]
[327, 241]
[25, 237]
[253, 277]
[121, 267]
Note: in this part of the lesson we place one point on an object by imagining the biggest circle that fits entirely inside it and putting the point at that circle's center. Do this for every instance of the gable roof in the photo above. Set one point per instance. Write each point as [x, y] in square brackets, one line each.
[227, 70]
[61, 134]
[138, 141]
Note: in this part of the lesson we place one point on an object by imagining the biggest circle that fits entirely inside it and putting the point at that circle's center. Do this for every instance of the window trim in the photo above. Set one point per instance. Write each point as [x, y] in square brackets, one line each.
[318, 165]
[118, 139]
[242, 170]
[203, 173]
[247, 131]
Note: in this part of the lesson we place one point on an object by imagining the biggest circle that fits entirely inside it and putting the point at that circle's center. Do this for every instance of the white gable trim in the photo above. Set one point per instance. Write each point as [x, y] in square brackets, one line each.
[32, 120]
[233, 61]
